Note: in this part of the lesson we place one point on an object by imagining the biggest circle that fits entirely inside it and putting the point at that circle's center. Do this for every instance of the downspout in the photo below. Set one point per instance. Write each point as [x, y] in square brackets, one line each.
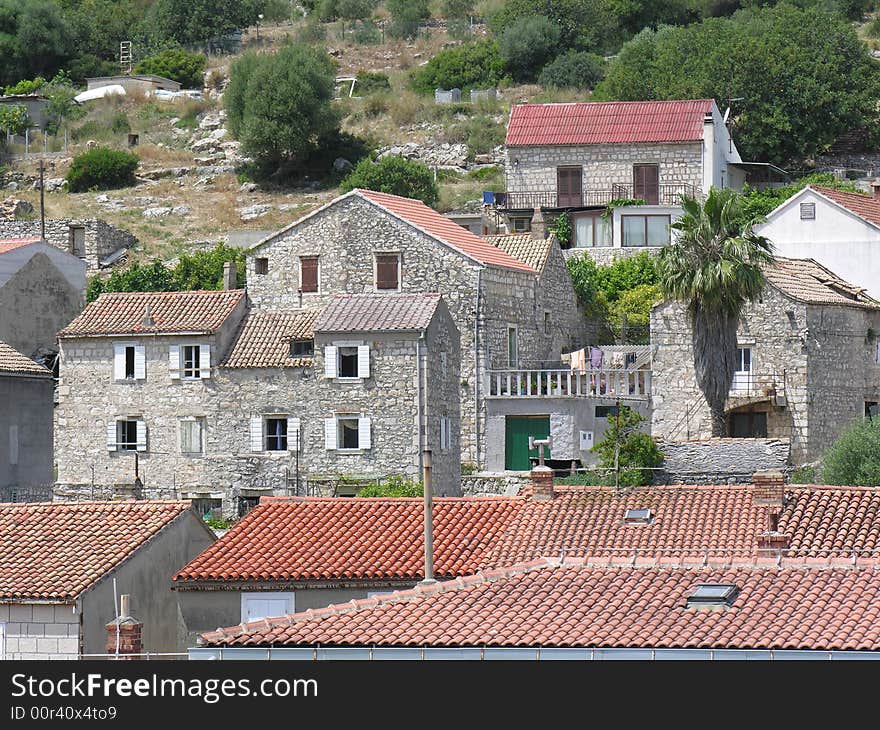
[477, 369]
[419, 395]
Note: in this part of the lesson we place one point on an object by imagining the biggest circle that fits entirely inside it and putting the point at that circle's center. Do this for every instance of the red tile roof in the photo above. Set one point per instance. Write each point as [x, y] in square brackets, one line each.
[362, 538]
[55, 551]
[577, 604]
[178, 312]
[10, 244]
[13, 362]
[864, 206]
[612, 122]
[808, 281]
[299, 539]
[378, 312]
[437, 226]
[523, 246]
[264, 340]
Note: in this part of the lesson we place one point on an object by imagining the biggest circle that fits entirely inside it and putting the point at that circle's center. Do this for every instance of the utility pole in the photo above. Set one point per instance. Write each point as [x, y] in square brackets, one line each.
[42, 200]
[429, 518]
[617, 448]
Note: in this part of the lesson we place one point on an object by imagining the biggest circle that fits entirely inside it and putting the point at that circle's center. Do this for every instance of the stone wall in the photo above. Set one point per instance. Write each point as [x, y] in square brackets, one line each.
[720, 461]
[488, 483]
[101, 239]
[570, 329]
[40, 631]
[603, 164]
[606, 255]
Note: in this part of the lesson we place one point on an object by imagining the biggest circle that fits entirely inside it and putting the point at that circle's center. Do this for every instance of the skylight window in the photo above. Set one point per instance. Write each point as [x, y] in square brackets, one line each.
[638, 517]
[712, 594]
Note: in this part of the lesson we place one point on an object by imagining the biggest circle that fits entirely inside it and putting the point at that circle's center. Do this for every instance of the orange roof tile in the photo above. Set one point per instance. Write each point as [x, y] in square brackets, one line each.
[576, 604]
[264, 340]
[378, 312]
[808, 281]
[611, 122]
[178, 312]
[864, 206]
[55, 551]
[12, 361]
[525, 247]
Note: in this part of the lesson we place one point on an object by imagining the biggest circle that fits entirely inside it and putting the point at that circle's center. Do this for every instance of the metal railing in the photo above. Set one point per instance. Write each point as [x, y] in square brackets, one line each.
[752, 385]
[531, 199]
[563, 383]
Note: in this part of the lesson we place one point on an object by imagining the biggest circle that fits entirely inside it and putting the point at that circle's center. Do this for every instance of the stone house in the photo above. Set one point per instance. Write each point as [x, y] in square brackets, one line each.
[26, 392]
[212, 402]
[41, 290]
[809, 363]
[509, 314]
[62, 563]
[579, 157]
[839, 229]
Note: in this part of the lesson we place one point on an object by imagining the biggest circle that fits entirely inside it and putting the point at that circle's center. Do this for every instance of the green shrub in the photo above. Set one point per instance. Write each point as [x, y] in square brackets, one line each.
[573, 69]
[406, 15]
[527, 44]
[804, 475]
[369, 82]
[356, 9]
[635, 452]
[101, 168]
[26, 86]
[326, 10]
[872, 30]
[854, 459]
[311, 32]
[481, 134]
[589, 478]
[394, 486]
[470, 65]
[636, 305]
[394, 175]
[120, 123]
[14, 119]
[366, 33]
[177, 65]
[276, 11]
[561, 226]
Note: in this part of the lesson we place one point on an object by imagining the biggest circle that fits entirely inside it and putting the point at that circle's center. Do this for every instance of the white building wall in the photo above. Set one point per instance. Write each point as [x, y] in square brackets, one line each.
[40, 631]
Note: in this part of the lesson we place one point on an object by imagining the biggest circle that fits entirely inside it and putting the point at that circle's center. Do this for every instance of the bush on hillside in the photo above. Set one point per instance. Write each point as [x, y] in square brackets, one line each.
[406, 16]
[101, 168]
[527, 44]
[177, 65]
[470, 65]
[573, 69]
[369, 82]
[395, 175]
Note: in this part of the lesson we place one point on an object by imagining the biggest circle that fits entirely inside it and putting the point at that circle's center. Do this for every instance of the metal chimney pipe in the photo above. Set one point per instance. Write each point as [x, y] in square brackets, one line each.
[429, 518]
[124, 610]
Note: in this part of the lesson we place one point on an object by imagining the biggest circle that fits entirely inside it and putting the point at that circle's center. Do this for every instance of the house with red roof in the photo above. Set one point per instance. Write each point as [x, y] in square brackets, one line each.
[578, 157]
[837, 228]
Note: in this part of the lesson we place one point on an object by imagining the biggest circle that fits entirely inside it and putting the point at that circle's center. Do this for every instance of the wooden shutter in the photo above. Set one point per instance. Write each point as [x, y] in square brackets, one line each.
[646, 183]
[387, 271]
[330, 434]
[174, 361]
[363, 361]
[330, 362]
[204, 361]
[569, 187]
[118, 362]
[140, 362]
[111, 436]
[364, 433]
[141, 429]
[256, 433]
[308, 273]
[293, 434]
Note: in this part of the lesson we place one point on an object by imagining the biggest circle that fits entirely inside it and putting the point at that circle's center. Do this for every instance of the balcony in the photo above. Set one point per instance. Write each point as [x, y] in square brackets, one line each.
[530, 200]
[748, 387]
[613, 383]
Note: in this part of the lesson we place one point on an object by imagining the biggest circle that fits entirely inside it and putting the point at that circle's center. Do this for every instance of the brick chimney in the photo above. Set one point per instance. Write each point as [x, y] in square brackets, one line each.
[539, 225]
[768, 491]
[875, 188]
[129, 631]
[542, 483]
[229, 275]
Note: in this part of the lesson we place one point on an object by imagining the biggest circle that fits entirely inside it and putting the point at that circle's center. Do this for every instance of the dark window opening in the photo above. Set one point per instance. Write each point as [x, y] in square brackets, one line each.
[276, 434]
[207, 507]
[748, 425]
[348, 433]
[261, 266]
[302, 348]
[348, 362]
[308, 274]
[126, 435]
[520, 225]
[129, 363]
[246, 504]
[605, 411]
[191, 355]
[387, 271]
[872, 409]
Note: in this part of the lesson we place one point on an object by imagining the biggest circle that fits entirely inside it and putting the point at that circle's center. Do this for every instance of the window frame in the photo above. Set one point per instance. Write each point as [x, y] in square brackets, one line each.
[194, 372]
[302, 341]
[526, 227]
[290, 596]
[317, 260]
[282, 419]
[125, 445]
[356, 418]
[643, 183]
[598, 219]
[399, 257]
[199, 421]
[571, 174]
[348, 357]
[261, 265]
[645, 217]
[807, 207]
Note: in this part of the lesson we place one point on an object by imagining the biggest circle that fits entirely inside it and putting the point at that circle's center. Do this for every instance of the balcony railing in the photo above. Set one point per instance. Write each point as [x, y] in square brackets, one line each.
[757, 385]
[569, 383]
[531, 199]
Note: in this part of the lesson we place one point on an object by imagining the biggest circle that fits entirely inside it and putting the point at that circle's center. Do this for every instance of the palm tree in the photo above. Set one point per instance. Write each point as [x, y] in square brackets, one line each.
[713, 267]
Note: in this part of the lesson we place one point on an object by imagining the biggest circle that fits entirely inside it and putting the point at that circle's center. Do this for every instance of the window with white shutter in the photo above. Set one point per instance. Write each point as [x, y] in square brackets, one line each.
[364, 433]
[140, 362]
[348, 362]
[119, 362]
[174, 361]
[330, 440]
[293, 434]
[141, 431]
[111, 435]
[129, 362]
[191, 435]
[256, 433]
[330, 362]
[363, 361]
[204, 361]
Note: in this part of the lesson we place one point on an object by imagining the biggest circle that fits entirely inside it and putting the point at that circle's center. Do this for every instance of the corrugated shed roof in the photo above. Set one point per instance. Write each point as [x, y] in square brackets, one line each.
[12, 361]
[808, 281]
[612, 122]
[378, 312]
[264, 340]
[522, 246]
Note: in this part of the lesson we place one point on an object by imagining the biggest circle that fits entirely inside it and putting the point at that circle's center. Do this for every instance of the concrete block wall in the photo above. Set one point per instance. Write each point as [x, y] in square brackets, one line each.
[40, 631]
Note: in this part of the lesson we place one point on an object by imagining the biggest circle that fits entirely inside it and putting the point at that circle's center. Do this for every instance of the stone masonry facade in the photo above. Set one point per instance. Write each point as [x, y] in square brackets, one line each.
[100, 239]
[40, 631]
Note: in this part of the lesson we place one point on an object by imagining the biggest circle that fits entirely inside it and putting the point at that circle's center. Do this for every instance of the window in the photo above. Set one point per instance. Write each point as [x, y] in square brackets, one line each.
[127, 434]
[548, 323]
[445, 433]
[2, 641]
[646, 183]
[346, 361]
[645, 230]
[302, 348]
[258, 605]
[192, 435]
[808, 211]
[347, 432]
[444, 364]
[246, 504]
[276, 434]
[261, 266]
[569, 187]
[520, 224]
[744, 359]
[638, 517]
[129, 362]
[13, 444]
[713, 594]
[512, 348]
[592, 229]
[191, 362]
[605, 411]
[308, 274]
[208, 506]
[388, 271]
[872, 409]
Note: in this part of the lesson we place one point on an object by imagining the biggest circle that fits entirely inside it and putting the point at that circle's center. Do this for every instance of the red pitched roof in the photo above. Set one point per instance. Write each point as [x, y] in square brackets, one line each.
[55, 551]
[378, 312]
[177, 312]
[577, 604]
[431, 222]
[864, 206]
[264, 339]
[612, 122]
[374, 539]
[10, 244]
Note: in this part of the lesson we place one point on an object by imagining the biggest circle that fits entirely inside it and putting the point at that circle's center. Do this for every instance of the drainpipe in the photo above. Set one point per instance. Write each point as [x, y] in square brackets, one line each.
[477, 373]
[420, 397]
[429, 520]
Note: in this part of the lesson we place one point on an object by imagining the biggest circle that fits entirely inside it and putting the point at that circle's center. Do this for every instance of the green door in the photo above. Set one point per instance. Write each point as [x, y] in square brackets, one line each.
[517, 430]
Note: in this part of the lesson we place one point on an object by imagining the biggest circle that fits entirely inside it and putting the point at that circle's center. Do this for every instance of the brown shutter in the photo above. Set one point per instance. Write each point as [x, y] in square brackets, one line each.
[646, 183]
[308, 273]
[387, 271]
[569, 187]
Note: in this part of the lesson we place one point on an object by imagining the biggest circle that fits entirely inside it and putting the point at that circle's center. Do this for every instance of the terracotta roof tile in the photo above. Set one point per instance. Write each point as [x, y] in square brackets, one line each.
[578, 605]
[10, 244]
[377, 312]
[12, 361]
[864, 206]
[522, 246]
[808, 281]
[431, 222]
[179, 312]
[613, 122]
[55, 551]
[264, 340]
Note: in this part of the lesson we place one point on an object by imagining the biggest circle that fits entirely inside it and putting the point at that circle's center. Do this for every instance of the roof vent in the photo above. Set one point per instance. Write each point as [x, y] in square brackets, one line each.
[638, 517]
[712, 594]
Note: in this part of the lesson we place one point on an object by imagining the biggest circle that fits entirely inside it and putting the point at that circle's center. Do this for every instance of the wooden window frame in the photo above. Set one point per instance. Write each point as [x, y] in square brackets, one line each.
[379, 254]
[317, 260]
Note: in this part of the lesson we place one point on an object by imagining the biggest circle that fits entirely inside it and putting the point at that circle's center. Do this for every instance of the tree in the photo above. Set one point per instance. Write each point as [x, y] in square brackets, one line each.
[713, 267]
[635, 304]
[584, 25]
[456, 8]
[854, 459]
[196, 21]
[101, 168]
[394, 175]
[176, 64]
[14, 119]
[628, 449]
[758, 202]
[799, 89]
[61, 108]
[527, 44]
[470, 65]
[356, 9]
[406, 16]
[573, 69]
[281, 105]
